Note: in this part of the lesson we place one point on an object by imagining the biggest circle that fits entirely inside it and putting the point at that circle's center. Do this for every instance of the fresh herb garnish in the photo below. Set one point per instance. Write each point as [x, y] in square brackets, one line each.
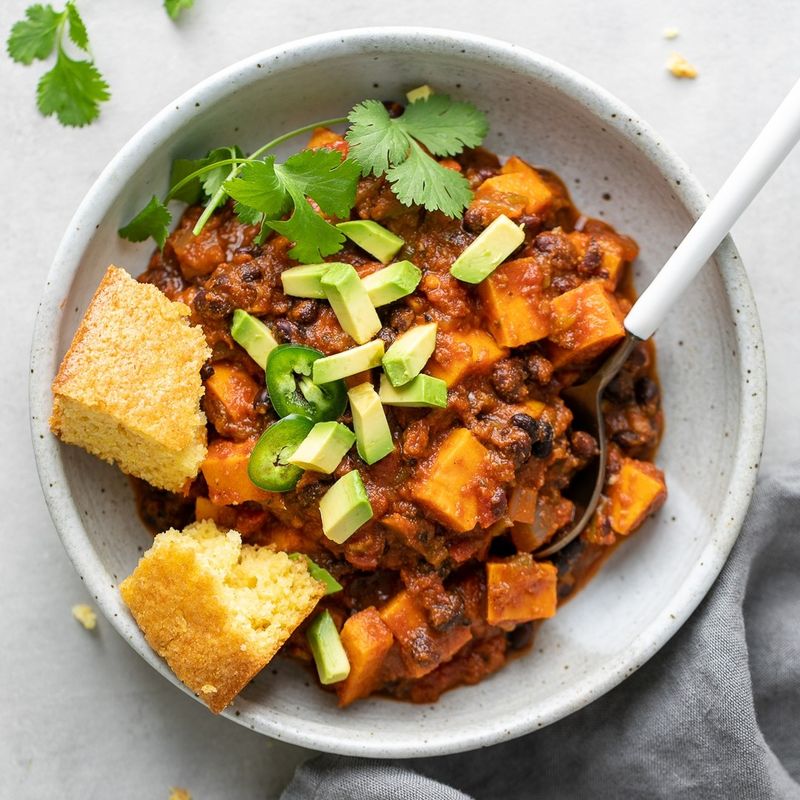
[265, 191]
[174, 7]
[72, 89]
[272, 190]
[397, 147]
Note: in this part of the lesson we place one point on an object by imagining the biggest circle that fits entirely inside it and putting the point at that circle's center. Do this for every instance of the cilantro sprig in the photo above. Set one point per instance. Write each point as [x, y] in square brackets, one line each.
[403, 147]
[73, 89]
[286, 197]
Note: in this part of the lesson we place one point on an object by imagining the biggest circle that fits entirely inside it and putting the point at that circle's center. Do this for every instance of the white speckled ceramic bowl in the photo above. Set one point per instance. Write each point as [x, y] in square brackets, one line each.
[710, 358]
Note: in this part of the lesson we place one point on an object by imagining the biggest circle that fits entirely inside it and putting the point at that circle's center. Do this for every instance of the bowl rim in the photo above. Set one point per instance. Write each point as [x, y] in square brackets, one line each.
[616, 115]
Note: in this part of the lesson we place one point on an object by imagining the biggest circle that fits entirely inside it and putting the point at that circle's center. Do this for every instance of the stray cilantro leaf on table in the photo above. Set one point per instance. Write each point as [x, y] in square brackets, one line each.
[73, 89]
[381, 144]
[152, 221]
[174, 7]
[272, 190]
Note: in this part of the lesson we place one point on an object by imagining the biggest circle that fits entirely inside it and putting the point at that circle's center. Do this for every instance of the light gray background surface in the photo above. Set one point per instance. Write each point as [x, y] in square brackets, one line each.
[82, 716]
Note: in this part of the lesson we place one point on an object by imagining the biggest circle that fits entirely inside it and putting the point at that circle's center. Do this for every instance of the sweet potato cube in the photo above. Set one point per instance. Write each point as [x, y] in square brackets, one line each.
[326, 139]
[519, 182]
[225, 471]
[519, 589]
[445, 483]
[606, 249]
[513, 303]
[233, 389]
[586, 320]
[366, 640]
[421, 647]
[205, 509]
[638, 491]
[459, 353]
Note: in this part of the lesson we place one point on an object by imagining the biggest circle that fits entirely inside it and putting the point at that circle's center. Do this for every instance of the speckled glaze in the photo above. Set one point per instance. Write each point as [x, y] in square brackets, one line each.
[710, 357]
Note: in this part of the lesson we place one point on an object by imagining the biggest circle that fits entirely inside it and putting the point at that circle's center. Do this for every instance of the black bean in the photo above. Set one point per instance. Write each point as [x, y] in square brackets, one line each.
[402, 319]
[287, 329]
[521, 636]
[629, 439]
[528, 423]
[584, 444]
[387, 336]
[394, 109]
[261, 404]
[542, 445]
[305, 311]
[206, 371]
[646, 391]
[251, 273]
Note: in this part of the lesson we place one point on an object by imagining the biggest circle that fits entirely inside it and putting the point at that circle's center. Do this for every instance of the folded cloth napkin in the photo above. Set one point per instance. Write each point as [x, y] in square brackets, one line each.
[716, 714]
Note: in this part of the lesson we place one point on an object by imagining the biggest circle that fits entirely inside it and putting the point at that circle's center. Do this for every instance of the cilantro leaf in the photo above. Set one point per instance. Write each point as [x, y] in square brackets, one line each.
[174, 7]
[313, 237]
[153, 220]
[77, 30]
[422, 180]
[35, 36]
[212, 181]
[182, 168]
[246, 214]
[393, 146]
[272, 190]
[259, 187]
[444, 126]
[72, 90]
[374, 141]
[325, 177]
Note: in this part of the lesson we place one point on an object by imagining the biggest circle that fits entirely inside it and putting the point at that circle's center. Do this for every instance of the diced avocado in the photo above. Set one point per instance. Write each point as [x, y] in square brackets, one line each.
[348, 362]
[319, 573]
[324, 447]
[424, 391]
[344, 508]
[392, 282]
[373, 238]
[253, 335]
[420, 93]
[350, 302]
[409, 353]
[326, 647]
[304, 281]
[493, 246]
[373, 437]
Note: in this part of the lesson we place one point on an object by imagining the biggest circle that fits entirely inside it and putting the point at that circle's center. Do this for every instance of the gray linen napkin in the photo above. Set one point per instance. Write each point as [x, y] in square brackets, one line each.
[716, 714]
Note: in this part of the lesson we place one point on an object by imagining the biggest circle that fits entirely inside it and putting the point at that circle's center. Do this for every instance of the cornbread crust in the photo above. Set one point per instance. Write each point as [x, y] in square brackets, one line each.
[129, 387]
[217, 611]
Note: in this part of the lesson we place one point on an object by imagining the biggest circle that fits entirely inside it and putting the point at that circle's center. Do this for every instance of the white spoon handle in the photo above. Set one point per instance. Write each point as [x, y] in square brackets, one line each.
[771, 147]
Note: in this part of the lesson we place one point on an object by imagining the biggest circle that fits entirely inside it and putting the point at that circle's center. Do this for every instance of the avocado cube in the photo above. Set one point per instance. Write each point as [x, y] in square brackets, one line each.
[253, 335]
[304, 281]
[392, 282]
[420, 93]
[350, 302]
[373, 437]
[344, 508]
[493, 246]
[326, 647]
[348, 362]
[424, 391]
[409, 353]
[372, 238]
[323, 449]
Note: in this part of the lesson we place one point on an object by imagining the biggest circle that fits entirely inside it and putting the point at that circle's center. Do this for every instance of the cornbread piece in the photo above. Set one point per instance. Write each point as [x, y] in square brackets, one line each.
[680, 67]
[129, 387]
[215, 609]
[86, 615]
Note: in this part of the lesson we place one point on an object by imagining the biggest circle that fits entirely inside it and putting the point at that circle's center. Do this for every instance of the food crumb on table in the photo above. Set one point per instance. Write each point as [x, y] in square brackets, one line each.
[670, 32]
[680, 67]
[179, 794]
[86, 615]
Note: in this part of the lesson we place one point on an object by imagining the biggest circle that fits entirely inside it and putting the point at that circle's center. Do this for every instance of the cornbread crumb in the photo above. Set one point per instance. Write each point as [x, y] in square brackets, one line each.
[180, 794]
[215, 609]
[670, 33]
[680, 67]
[85, 615]
[129, 387]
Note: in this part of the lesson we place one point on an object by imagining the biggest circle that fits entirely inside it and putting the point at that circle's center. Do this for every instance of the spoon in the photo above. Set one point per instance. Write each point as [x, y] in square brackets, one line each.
[773, 144]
